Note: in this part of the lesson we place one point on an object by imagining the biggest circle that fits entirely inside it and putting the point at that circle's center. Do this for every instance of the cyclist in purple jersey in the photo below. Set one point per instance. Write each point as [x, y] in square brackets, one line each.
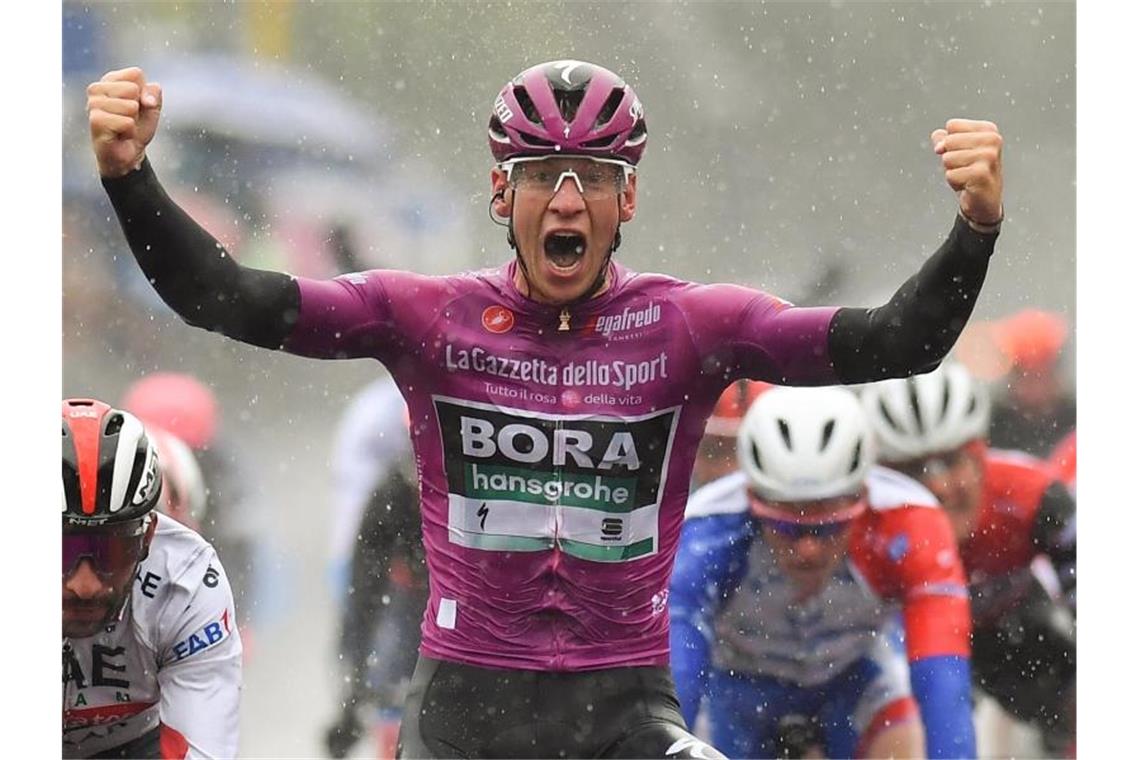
[556, 401]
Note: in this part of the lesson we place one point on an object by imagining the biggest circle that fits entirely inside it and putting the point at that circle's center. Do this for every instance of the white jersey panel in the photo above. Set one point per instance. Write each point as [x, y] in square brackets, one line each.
[725, 495]
[890, 489]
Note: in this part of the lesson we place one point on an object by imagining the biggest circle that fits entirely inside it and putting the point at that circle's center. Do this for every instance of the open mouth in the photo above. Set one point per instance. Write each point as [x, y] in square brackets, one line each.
[564, 249]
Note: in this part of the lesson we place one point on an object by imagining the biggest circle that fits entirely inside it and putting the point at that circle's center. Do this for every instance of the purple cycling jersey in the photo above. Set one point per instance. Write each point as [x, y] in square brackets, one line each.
[554, 445]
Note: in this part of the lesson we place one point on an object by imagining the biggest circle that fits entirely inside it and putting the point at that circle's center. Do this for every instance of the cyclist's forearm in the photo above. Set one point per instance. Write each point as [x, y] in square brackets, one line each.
[191, 270]
[921, 322]
[942, 689]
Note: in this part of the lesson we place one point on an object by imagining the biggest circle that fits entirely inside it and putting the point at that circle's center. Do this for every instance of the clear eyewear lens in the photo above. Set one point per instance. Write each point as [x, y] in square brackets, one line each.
[595, 181]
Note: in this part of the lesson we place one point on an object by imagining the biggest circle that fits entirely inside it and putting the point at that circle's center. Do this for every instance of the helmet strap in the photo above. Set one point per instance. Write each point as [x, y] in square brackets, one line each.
[513, 243]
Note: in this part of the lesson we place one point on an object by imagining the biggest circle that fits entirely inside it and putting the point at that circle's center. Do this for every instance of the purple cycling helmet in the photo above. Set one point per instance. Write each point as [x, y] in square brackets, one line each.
[567, 107]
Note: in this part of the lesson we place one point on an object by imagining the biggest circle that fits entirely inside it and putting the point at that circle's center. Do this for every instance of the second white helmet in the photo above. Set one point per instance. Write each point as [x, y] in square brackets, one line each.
[183, 487]
[927, 414]
[800, 444]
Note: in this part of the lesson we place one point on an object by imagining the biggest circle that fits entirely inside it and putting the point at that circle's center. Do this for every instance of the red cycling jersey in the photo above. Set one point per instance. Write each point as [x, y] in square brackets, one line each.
[906, 552]
[1002, 540]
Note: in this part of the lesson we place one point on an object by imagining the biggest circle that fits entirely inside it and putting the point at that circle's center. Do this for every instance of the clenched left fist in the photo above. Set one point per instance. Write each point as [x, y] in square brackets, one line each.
[971, 156]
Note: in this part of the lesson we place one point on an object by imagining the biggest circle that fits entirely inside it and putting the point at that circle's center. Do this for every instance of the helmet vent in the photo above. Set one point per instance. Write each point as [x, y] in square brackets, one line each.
[568, 102]
[912, 396]
[945, 399]
[530, 111]
[828, 429]
[495, 128]
[638, 134]
[786, 432]
[114, 425]
[855, 459]
[973, 404]
[756, 457]
[536, 141]
[887, 416]
[601, 142]
[609, 108]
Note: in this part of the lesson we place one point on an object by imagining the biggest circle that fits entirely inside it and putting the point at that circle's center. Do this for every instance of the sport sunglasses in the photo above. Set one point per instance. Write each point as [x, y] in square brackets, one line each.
[111, 550]
[789, 524]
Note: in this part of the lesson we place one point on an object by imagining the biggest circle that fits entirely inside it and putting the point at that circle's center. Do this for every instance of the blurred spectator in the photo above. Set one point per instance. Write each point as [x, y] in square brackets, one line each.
[1037, 409]
[187, 408]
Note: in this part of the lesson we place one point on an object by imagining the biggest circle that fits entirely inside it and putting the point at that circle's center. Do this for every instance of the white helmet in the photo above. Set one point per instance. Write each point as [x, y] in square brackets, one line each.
[916, 417]
[183, 487]
[799, 444]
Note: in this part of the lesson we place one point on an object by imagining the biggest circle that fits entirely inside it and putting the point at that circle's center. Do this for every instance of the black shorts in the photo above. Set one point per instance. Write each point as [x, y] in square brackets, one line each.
[1030, 673]
[456, 710]
[145, 746]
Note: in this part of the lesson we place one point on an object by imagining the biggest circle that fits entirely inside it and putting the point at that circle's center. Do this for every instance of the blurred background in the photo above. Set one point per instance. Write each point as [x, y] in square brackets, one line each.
[788, 150]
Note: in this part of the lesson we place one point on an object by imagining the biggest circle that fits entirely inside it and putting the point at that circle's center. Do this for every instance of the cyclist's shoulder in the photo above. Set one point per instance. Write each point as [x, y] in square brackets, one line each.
[1015, 462]
[717, 519]
[179, 560]
[724, 496]
[891, 491]
[681, 289]
[1017, 476]
[904, 521]
[631, 280]
[181, 601]
[418, 286]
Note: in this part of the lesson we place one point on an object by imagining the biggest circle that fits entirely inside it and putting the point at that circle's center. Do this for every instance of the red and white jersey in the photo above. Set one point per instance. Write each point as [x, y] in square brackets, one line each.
[901, 555]
[171, 661]
[903, 547]
[1002, 540]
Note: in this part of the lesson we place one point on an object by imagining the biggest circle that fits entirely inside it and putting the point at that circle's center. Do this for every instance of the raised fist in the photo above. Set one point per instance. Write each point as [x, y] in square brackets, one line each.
[971, 156]
[122, 110]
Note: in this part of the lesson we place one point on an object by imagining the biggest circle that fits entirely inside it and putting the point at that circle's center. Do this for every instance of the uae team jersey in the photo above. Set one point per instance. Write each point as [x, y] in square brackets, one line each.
[171, 662]
[554, 445]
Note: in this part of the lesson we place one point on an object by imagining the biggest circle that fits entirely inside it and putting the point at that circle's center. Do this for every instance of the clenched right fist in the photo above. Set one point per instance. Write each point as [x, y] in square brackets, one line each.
[122, 110]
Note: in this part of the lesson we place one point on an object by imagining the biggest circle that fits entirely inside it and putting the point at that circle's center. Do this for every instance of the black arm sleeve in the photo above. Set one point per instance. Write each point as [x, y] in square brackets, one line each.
[193, 273]
[918, 326]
